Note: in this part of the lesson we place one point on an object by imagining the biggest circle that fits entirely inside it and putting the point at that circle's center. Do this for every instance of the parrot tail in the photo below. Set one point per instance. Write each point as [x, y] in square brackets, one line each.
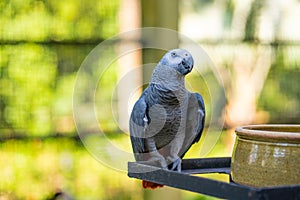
[147, 184]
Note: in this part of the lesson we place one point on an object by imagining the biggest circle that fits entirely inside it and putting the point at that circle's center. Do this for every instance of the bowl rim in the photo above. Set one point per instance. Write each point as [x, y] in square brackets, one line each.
[270, 132]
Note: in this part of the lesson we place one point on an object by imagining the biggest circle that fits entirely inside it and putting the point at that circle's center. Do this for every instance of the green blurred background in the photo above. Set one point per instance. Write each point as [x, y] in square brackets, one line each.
[254, 44]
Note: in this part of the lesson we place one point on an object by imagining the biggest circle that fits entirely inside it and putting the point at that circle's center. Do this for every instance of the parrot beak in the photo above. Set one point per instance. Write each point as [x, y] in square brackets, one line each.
[188, 66]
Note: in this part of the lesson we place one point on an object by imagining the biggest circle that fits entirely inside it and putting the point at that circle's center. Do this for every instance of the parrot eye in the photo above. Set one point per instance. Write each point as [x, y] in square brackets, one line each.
[186, 54]
[173, 54]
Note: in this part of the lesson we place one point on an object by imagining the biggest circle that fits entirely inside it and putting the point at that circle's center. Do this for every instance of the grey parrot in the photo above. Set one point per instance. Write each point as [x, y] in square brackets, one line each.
[167, 119]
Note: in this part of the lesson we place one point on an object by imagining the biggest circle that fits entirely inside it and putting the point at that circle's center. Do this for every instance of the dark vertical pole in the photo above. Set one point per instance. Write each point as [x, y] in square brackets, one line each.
[160, 14]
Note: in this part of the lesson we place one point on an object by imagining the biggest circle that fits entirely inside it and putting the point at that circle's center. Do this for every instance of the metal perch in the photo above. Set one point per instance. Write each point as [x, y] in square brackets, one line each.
[186, 181]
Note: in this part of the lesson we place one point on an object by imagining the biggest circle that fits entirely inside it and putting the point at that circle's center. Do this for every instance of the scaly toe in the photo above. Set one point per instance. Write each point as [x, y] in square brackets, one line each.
[177, 165]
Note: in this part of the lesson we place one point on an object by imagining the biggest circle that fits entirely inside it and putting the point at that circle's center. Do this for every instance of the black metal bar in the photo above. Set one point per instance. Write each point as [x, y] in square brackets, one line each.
[207, 165]
[283, 192]
[228, 190]
[189, 182]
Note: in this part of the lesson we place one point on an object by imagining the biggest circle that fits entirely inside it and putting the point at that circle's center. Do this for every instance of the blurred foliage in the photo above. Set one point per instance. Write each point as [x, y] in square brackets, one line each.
[71, 20]
[37, 169]
[42, 45]
[39, 59]
[36, 88]
[281, 94]
[253, 25]
[28, 76]
[252, 20]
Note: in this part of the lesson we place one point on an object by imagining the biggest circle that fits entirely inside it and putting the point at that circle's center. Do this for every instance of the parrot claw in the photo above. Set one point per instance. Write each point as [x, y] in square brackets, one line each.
[177, 165]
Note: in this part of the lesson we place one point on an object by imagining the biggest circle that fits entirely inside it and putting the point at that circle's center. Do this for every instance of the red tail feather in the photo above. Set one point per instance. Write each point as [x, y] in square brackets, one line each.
[147, 184]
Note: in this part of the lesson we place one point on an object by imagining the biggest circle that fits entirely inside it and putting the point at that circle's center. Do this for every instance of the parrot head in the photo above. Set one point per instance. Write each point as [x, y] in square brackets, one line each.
[179, 59]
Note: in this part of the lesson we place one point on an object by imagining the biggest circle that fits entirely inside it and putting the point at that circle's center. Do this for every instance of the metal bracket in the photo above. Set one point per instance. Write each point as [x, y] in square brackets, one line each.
[187, 181]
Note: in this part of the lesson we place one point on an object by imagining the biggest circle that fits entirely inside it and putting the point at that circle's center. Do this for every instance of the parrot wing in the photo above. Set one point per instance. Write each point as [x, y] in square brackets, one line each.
[201, 116]
[194, 121]
[137, 125]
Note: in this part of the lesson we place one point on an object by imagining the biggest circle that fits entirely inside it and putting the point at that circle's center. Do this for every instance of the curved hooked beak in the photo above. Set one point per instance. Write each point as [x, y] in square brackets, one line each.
[187, 65]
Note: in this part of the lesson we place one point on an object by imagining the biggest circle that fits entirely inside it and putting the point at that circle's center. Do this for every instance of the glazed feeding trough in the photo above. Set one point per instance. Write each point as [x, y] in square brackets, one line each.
[265, 165]
[267, 155]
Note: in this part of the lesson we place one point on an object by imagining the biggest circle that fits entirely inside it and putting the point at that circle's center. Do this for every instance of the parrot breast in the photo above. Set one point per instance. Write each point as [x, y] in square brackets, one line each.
[170, 102]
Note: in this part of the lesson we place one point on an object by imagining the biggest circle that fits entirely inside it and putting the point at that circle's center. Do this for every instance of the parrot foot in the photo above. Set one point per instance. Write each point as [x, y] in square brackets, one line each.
[177, 165]
[156, 160]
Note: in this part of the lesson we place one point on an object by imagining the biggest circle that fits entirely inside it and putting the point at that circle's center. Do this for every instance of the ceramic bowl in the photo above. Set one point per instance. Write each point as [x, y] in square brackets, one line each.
[266, 155]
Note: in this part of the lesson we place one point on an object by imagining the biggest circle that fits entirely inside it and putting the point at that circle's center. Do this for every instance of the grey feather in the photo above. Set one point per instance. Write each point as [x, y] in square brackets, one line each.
[138, 125]
[195, 121]
[167, 119]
